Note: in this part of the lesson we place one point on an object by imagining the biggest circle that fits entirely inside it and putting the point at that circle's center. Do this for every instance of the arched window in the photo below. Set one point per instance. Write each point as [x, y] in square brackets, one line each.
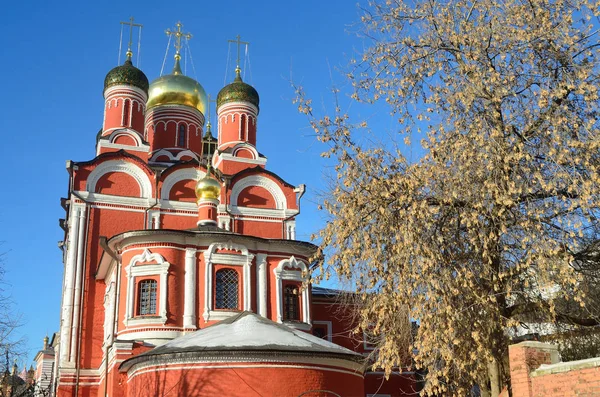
[291, 303]
[181, 136]
[243, 128]
[126, 110]
[147, 297]
[226, 296]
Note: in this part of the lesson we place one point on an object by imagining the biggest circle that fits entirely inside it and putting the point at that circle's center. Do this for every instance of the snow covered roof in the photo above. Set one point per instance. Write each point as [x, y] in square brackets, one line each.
[248, 332]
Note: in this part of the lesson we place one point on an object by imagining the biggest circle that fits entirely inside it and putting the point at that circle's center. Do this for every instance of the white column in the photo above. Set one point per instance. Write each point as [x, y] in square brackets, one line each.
[130, 297]
[189, 302]
[78, 282]
[261, 284]
[163, 293]
[247, 283]
[278, 297]
[67, 304]
[306, 305]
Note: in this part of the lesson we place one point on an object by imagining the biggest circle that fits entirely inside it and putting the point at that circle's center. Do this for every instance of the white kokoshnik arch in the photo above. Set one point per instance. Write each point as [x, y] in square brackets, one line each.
[122, 166]
[260, 181]
[178, 176]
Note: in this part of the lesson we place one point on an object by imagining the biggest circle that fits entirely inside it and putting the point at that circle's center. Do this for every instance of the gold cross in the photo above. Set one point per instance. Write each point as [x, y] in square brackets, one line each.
[178, 35]
[238, 48]
[131, 25]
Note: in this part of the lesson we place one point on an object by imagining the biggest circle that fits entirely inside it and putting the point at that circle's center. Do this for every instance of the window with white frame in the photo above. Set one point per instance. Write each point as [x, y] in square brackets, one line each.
[234, 258]
[146, 289]
[292, 270]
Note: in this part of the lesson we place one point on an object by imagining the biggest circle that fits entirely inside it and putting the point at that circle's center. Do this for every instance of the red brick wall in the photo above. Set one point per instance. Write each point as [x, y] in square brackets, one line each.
[530, 378]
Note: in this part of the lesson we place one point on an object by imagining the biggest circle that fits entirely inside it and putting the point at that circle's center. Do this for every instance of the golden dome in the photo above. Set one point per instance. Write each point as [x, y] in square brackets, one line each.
[208, 188]
[177, 89]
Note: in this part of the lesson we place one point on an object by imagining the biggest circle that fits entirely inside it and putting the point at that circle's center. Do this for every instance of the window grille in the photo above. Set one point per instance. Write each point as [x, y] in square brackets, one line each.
[147, 297]
[290, 303]
[227, 289]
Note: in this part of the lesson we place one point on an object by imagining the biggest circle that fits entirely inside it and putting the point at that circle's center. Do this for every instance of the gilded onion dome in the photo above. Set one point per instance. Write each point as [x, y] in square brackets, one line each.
[238, 91]
[177, 89]
[126, 74]
[208, 188]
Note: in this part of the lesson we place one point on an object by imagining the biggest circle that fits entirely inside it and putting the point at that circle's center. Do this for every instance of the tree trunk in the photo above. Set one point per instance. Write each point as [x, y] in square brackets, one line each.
[494, 378]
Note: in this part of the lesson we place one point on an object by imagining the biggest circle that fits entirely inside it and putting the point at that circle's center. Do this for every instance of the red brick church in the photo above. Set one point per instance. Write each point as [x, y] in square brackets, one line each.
[182, 272]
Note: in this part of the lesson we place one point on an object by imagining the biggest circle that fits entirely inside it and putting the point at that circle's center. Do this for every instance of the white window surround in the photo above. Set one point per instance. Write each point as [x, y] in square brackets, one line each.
[211, 257]
[120, 166]
[260, 181]
[161, 268]
[328, 325]
[294, 275]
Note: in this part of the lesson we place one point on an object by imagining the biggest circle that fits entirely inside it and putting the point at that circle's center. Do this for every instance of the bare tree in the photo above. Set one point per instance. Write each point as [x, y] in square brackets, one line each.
[496, 225]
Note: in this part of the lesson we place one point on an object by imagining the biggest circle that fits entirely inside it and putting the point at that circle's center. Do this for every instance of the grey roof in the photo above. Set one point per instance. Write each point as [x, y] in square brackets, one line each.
[247, 332]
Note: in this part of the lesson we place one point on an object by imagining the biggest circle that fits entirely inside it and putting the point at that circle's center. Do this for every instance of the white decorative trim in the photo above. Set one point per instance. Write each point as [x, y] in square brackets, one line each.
[252, 361]
[161, 268]
[298, 326]
[125, 132]
[210, 258]
[245, 146]
[174, 157]
[120, 166]
[260, 212]
[239, 106]
[329, 328]
[229, 157]
[125, 89]
[260, 181]
[300, 276]
[290, 230]
[178, 176]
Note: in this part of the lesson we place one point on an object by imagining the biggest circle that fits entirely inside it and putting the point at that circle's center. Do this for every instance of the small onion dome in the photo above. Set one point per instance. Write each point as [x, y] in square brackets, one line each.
[208, 188]
[238, 91]
[126, 74]
[177, 89]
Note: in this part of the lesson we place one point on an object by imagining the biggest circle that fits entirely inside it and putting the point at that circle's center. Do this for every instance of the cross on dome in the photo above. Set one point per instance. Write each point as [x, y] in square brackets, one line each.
[238, 42]
[129, 53]
[178, 35]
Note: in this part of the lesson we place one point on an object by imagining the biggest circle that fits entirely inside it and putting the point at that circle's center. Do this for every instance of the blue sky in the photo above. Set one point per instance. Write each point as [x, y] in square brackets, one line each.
[55, 58]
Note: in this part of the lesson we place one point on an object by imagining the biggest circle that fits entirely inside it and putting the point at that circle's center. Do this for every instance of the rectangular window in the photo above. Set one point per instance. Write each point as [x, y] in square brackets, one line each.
[147, 297]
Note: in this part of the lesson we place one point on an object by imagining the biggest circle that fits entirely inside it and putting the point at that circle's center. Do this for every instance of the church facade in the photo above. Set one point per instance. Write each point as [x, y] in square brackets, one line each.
[183, 274]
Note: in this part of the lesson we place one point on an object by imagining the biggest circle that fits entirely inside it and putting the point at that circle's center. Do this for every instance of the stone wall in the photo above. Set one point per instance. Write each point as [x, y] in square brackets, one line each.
[536, 371]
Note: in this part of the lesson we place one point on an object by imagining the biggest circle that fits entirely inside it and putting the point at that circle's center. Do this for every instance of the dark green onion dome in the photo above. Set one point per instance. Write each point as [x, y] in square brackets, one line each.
[127, 74]
[238, 91]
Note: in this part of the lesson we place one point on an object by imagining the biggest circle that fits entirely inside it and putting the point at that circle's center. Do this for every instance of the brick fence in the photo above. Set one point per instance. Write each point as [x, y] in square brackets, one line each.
[536, 371]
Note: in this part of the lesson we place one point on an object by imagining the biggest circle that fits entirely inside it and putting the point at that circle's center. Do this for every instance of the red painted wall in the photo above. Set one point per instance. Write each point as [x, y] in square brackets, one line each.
[279, 382]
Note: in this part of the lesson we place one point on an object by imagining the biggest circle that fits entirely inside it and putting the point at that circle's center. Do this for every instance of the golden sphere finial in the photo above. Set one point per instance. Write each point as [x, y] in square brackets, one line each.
[208, 188]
